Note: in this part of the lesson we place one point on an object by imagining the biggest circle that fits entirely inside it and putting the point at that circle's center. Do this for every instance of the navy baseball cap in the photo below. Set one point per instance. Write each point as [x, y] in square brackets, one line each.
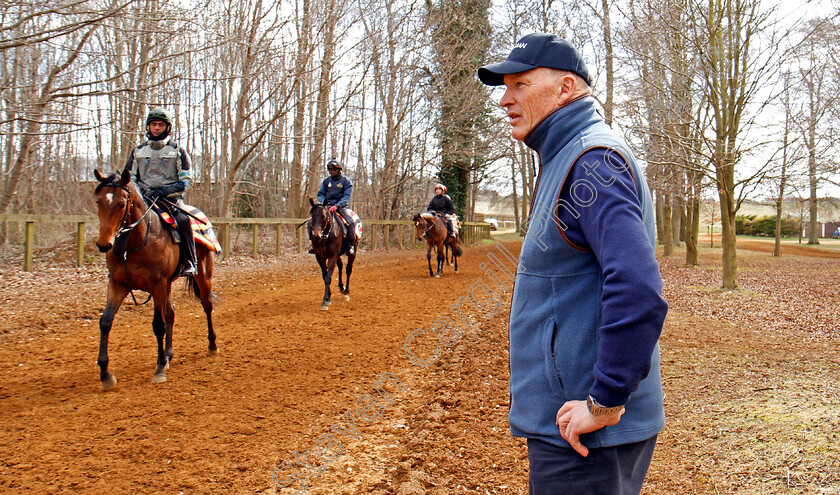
[536, 50]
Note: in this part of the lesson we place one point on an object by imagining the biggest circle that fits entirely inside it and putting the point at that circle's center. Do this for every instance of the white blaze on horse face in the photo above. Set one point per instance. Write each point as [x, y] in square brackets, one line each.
[109, 197]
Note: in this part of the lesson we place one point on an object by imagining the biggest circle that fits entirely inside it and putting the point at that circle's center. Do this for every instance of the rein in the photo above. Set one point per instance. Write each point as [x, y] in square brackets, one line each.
[429, 225]
[125, 230]
[326, 227]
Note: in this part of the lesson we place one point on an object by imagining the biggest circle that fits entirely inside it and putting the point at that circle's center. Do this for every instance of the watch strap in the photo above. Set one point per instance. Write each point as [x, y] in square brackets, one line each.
[596, 409]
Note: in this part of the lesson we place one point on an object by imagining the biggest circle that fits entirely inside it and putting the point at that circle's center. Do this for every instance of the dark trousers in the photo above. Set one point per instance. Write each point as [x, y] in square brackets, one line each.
[351, 233]
[185, 229]
[618, 470]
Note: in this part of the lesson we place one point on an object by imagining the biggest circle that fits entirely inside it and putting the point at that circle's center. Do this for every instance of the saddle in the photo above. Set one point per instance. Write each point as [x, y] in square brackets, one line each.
[202, 229]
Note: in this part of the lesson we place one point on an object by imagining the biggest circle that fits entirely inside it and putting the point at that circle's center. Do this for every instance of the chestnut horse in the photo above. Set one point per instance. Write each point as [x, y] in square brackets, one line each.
[433, 228]
[142, 255]
[329, 243]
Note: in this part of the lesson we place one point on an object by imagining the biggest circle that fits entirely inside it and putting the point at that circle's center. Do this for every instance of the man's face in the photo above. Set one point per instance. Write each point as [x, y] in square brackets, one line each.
[438, 191]
[157, 127]
[334, 171]
[530, 97]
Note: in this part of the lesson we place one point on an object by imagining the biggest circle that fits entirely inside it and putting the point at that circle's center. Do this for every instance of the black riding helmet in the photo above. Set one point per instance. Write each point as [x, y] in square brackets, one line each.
[160, 115]
[333, 163]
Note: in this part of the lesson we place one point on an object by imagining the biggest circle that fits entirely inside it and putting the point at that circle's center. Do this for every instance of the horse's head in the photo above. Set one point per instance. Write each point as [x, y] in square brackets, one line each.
[419, 225]
[113, 199]
[320, 221]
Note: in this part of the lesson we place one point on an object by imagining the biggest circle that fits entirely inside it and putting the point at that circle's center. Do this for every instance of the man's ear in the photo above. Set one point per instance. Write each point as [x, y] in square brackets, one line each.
[566, 89]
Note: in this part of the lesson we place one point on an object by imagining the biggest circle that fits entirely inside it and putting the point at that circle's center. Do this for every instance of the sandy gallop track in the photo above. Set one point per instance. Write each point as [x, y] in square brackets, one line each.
[221, 424]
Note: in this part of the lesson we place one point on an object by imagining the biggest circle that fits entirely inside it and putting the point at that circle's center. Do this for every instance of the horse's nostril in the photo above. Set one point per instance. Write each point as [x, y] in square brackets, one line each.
[105, 248]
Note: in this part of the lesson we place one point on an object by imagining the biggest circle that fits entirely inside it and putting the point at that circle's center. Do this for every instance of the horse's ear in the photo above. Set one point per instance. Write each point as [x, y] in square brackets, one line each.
[311, 202]
[98, 175]
[125, 178]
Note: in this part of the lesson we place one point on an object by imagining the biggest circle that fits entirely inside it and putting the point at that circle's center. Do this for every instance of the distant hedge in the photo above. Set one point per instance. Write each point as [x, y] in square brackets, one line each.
[765, 226]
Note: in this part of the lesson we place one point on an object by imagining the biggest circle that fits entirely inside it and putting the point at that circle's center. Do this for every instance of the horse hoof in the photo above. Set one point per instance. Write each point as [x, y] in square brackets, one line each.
[159, 378]
[212, 352]
[346, 298]
[325, 307]
[109, 384]
[437, 276]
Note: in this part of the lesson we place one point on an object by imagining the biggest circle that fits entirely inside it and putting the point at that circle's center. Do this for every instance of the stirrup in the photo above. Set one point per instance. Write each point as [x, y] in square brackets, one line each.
[189, 270]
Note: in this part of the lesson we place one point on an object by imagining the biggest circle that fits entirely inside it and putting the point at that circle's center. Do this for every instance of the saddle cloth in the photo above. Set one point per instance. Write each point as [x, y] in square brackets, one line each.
[202, 232]
[357, 222]
[453, 219]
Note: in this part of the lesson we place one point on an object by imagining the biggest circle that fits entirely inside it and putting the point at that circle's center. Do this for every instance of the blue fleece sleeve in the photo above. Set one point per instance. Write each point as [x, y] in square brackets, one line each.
[632, 308]
[348, 193]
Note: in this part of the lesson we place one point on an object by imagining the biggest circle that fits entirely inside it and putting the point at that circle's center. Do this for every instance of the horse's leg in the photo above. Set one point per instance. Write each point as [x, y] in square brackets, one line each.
[350, 259]
[328, 271]
[440, 259]
[168, 322]
[340, 265]
[204, 282]
[116, 295]
[455, 253]
[429, 257]
[161, 297]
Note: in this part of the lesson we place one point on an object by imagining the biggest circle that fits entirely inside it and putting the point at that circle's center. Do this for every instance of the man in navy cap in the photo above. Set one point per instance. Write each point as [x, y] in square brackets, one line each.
[587, 310]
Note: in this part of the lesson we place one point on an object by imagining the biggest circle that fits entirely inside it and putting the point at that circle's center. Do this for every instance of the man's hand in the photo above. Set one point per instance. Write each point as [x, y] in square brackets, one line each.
[333, 208]
[574, 419]
[155, 192]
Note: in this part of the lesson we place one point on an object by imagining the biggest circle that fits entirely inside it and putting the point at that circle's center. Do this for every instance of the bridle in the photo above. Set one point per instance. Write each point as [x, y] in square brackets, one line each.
[326, 227]
[125, 224]
[126, 227]
[429, 226]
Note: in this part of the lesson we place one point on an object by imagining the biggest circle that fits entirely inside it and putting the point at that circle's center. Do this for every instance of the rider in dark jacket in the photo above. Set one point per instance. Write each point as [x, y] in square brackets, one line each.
[443, 205]
[335, 192]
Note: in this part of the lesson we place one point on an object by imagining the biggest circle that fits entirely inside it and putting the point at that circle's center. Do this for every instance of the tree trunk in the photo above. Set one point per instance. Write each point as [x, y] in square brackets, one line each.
[667, 230]
[299, 89]
[319, 135]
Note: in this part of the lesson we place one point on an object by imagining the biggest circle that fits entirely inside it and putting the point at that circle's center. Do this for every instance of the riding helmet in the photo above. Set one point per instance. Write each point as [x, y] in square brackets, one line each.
[333, 163]
[161, 115]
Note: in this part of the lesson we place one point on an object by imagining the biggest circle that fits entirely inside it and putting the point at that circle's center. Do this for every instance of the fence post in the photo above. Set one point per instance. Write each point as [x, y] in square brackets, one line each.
[80, 244]
[279, 249]
[386, 229]
[226, 239]
[255, 249]
[401, 229]
[28, 246]
[372, 236]
[300, 238]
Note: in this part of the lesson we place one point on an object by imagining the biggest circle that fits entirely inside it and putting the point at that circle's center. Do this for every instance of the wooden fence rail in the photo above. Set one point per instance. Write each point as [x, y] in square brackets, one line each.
[471, 232]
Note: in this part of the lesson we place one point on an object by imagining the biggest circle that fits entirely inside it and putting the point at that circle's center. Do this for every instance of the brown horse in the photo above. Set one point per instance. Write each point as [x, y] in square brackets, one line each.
[329, 243]
[142, 255]
[432, 227]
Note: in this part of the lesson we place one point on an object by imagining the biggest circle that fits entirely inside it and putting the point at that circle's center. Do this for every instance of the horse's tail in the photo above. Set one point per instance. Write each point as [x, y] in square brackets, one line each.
[458, 250]
[192, 284]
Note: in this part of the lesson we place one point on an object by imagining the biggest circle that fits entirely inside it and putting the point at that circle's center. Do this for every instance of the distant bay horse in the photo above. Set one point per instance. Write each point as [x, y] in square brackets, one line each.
[329, 242]
[432, 228]
[142, 255]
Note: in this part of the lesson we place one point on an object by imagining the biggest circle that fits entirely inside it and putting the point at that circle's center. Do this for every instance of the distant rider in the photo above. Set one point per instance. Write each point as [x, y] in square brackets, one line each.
[443, 205]
[335, 192]
[161, 169]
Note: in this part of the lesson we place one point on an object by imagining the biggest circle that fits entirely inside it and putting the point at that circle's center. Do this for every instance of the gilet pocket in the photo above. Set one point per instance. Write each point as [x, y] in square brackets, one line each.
[549, 335]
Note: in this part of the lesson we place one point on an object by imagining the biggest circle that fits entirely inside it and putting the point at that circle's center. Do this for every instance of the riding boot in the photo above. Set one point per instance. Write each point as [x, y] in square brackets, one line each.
[188, 246]
[351, 239]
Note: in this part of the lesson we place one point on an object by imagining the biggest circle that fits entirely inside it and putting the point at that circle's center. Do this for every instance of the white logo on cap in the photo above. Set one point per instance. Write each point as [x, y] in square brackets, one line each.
[520, 45]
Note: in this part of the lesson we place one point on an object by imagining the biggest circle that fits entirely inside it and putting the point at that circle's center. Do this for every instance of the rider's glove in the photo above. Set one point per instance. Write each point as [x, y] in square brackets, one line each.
[333, 208]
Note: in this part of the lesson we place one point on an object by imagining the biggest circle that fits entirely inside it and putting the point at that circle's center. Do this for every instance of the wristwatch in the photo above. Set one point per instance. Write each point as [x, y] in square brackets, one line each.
[596, 409]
